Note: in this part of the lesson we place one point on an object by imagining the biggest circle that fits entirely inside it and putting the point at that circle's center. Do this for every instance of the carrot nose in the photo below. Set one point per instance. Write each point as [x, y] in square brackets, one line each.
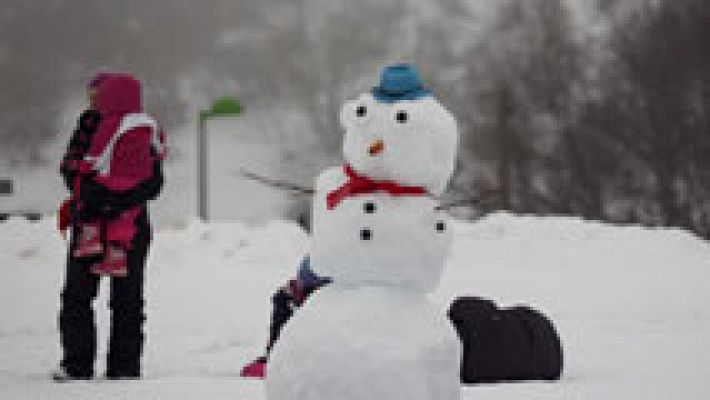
[376, 147]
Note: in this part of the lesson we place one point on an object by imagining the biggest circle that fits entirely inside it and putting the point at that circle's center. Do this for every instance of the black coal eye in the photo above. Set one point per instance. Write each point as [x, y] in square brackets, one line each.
[361, 111]
[369, 207]
[440, 226]
[402, 117]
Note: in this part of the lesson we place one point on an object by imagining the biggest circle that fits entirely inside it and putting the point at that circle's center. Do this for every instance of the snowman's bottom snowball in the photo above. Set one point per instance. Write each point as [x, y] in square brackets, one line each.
[366, 344]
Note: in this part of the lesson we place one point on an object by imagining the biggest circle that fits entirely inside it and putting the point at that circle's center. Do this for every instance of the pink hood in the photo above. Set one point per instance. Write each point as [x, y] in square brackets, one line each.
[131, 160]
[119, 94]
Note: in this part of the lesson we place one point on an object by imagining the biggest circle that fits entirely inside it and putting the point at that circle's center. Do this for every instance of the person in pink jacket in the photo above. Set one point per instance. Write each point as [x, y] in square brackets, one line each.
[121, 155]
[113, 169]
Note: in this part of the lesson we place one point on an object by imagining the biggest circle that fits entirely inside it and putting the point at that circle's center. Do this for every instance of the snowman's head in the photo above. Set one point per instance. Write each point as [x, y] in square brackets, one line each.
[400, 132]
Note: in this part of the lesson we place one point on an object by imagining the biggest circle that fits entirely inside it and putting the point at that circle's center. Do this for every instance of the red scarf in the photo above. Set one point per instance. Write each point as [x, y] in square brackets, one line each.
[359, 184]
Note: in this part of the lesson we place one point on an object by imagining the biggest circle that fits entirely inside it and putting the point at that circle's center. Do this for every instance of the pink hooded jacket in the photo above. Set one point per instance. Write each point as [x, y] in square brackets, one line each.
[131, 157]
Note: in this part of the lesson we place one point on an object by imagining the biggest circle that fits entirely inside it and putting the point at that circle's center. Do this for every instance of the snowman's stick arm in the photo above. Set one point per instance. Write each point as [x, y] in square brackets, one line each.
[275, 183]
[481, 198]
[283, 185]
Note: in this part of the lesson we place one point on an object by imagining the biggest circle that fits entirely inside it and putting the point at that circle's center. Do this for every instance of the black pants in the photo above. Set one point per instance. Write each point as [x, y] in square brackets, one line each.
[76, 316]
[285, 303]
[283, 308]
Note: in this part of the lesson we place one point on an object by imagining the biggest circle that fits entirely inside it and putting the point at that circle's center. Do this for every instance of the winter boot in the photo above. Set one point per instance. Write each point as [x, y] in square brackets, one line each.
[122, 376]
[115, 263]
[255, 369]
[89, 241]
[61, 375]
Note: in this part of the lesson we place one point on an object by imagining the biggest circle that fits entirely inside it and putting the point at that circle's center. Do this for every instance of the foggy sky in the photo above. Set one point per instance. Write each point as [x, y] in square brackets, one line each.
[188, 52]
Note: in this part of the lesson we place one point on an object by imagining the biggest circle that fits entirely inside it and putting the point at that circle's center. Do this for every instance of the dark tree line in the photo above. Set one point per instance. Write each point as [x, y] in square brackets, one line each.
[654, 106]
[614, 129]
[607, 123]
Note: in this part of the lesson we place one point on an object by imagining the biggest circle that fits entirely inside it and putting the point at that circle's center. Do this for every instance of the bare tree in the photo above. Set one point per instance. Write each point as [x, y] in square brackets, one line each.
[655, 106]
[535, 67]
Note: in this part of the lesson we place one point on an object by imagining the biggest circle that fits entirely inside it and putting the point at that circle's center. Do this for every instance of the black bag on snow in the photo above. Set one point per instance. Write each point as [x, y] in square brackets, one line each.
[513, 344]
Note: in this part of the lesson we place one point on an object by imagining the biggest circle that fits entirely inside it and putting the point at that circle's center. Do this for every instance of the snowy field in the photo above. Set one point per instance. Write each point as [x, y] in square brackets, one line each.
[632, 306]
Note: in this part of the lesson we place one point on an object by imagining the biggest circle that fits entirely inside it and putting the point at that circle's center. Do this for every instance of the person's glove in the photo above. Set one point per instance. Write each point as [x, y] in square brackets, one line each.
[108, 212]
[92, 211]
[64, 216]
[296, 294]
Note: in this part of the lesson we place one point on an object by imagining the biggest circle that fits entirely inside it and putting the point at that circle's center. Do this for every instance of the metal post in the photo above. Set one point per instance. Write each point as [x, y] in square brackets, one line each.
[224, 106]
[202, 173]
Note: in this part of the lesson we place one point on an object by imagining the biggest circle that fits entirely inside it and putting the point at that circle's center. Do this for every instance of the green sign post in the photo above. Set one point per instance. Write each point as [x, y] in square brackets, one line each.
[222, 107]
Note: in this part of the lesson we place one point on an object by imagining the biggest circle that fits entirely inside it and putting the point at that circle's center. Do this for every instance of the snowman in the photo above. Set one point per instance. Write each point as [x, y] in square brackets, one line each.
[373, 334]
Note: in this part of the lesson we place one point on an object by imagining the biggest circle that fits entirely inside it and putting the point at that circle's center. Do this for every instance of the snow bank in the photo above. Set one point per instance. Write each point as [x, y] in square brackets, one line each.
[632, 306]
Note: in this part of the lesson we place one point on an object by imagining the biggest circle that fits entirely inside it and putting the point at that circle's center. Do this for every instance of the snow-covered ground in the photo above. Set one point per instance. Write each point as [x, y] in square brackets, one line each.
[632, 306]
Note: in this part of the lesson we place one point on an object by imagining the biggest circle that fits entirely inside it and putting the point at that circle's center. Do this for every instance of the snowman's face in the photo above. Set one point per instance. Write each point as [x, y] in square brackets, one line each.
[410, 142]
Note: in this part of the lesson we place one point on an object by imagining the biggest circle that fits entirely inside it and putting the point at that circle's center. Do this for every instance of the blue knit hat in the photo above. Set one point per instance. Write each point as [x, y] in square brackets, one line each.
[400, 82]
